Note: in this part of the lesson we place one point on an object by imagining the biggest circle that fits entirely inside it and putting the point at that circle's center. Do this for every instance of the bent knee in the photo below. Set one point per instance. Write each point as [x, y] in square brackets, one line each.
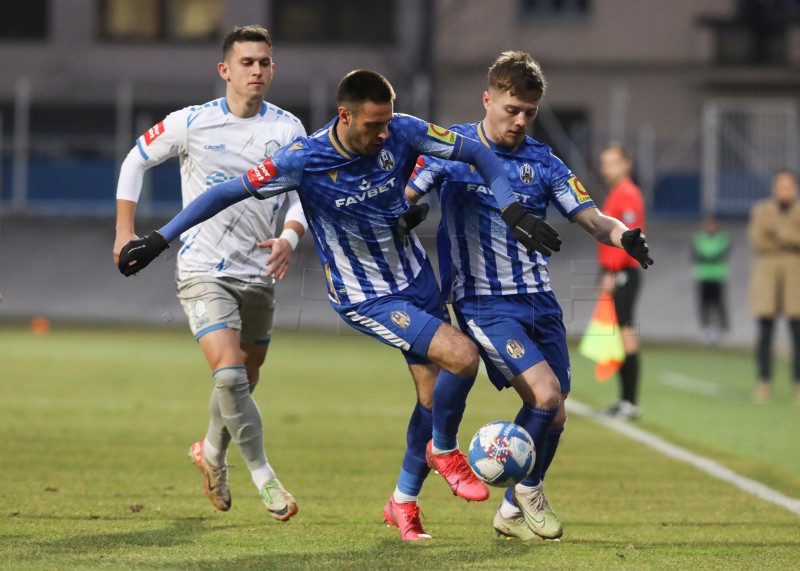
[549, 401]
[231, 379]
[465, 358]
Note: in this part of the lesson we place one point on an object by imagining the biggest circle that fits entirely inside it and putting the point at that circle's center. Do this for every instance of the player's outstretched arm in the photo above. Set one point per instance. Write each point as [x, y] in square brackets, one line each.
[137, 254]
[126, 212]
[635, 243]
[610, 231]
[129, 187]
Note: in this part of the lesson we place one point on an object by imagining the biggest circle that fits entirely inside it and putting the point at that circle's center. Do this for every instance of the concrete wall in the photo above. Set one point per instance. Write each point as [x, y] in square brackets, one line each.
[617, 32]
[62, 269]
[72, 66]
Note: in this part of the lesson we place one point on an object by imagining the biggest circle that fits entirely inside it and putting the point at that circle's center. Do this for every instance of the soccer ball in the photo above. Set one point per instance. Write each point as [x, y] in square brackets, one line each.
[502, 453]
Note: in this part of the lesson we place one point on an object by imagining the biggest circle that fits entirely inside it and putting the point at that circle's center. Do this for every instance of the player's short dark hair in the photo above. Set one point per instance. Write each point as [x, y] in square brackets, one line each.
[620, 148]
[517, 74]
[787, 172]
[363, 85]
[245, 34]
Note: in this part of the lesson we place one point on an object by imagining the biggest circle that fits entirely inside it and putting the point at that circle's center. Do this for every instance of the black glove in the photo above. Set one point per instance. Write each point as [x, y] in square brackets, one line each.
[141, 252]
[411, 218]
[635, 243]
[531, 231]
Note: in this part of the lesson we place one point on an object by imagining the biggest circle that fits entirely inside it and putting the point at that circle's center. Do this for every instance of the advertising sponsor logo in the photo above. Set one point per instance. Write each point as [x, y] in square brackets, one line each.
[154, 133]
[366, 193]
[483, 189]
[441, 133]
[259, 175]
[580, 192]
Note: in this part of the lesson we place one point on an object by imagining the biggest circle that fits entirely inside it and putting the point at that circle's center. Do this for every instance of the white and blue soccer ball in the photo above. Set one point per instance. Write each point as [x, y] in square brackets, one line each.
[502, 453]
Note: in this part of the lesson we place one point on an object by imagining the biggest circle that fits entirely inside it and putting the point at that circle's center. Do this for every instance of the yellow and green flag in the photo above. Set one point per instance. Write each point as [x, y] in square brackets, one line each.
[602, 342]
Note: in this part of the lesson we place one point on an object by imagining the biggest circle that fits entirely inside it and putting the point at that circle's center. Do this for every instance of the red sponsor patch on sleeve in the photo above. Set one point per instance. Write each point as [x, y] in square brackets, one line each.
[258, 176]
[420, 165]
[154, 133]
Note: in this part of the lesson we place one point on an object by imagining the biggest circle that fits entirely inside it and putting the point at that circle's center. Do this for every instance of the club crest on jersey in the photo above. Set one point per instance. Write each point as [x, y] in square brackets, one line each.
[386, 160]
[526, 173]
[200, 313]
[515, 349]
[401, 319]
[580, 192]
[270, 147]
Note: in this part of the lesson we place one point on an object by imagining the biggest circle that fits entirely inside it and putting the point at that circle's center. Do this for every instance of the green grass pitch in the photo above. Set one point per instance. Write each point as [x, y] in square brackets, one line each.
[95, 424]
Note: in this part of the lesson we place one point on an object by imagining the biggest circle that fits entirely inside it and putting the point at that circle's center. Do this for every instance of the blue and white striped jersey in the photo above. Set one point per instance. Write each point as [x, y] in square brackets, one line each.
[352, 203]
[485, 256]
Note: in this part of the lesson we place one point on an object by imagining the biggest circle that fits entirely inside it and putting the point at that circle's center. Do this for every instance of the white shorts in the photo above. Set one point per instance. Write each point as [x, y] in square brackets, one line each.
[216, 303]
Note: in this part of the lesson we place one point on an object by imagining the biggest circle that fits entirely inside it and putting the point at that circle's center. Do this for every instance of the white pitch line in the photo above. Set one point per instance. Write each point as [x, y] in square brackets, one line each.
[691, 384]
[702, 463]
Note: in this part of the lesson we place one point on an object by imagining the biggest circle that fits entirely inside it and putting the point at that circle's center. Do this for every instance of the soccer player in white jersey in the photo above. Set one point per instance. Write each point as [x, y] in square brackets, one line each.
[227, 265]
[350, 176]
[501, 291]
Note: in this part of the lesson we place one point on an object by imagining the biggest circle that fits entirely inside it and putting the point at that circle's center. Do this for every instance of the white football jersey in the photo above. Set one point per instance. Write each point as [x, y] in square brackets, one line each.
[213, 146]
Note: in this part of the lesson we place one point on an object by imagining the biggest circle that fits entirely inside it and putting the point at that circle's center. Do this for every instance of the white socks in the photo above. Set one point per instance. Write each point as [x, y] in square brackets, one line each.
[213, 455]
[401, 498]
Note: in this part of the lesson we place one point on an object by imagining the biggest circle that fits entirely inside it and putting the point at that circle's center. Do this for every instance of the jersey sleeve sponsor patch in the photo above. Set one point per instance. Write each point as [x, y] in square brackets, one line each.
[418, 167]
[154, 133]
[259, 175]
[441, 133]
[580, 192]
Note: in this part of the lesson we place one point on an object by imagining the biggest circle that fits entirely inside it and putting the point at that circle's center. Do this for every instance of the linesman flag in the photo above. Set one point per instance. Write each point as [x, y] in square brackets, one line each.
[602, 342]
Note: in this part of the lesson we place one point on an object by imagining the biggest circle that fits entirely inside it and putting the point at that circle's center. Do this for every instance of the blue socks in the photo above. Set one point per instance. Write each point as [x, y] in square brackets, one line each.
[537, 422]
[415, 467]
[449, 401]
[550, 447]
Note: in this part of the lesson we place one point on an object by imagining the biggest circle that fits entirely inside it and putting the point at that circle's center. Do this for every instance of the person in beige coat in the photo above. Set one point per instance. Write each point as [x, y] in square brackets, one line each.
[774, 234]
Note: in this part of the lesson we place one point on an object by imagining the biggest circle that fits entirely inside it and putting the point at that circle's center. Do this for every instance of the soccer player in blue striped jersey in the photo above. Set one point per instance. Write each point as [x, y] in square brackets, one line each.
[350, 177]
[500, 289]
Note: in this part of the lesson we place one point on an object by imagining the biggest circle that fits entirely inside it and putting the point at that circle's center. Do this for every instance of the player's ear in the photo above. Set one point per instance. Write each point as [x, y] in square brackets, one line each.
[486, 100]
[344, 116]
[222, 69]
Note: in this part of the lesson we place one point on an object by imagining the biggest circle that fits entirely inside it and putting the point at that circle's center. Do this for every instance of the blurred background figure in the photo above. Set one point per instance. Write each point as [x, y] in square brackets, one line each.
[621, 274]
[710, 249]
[774, 234]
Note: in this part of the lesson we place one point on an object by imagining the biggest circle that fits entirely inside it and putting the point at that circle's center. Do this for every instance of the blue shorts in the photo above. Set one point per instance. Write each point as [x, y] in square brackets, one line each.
[407, 320]
[515, 332]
